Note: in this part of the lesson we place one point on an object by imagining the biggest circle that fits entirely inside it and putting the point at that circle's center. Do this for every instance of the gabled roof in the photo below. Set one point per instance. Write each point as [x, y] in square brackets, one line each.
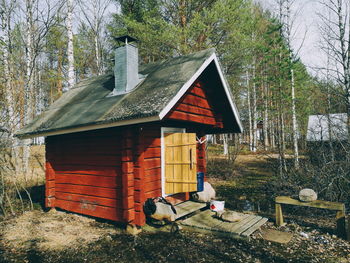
[319, 126]
[88, 105]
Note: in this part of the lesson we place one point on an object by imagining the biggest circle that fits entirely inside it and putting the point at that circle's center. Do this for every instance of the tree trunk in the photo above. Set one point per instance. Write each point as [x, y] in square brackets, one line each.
[266, 117]
[294, 122]
[70, 46]
[249, 115]
[255, 113]
[29, 89]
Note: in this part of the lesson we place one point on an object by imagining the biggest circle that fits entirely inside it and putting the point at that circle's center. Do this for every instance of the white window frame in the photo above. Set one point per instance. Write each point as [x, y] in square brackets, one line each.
[163, 131]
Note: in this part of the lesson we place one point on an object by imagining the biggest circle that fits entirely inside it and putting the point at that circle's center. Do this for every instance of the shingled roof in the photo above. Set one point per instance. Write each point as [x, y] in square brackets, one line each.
[89, 105]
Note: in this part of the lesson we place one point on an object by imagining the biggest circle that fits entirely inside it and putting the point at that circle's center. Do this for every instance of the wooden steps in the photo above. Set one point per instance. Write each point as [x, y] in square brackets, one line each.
[188, 207]
[206, 221]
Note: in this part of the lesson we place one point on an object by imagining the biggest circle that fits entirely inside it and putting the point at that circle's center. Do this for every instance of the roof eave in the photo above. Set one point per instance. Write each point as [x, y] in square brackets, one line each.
[88, 127]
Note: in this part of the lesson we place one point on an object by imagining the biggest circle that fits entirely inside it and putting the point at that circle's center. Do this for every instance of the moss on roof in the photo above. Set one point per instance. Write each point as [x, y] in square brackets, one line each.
[88, 102]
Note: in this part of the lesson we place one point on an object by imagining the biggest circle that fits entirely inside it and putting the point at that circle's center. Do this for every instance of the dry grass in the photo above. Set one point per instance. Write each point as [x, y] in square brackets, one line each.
[54, 230]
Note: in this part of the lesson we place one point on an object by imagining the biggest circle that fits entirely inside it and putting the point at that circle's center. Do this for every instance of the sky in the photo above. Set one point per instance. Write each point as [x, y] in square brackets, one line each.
[306, 32]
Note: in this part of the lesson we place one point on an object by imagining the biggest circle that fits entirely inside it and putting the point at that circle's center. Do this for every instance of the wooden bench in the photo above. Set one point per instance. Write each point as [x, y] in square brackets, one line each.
[339, 207]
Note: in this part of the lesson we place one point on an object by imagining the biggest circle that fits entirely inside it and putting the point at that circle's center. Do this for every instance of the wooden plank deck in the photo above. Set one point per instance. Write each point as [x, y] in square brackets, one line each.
[188, 207]
[206, 221]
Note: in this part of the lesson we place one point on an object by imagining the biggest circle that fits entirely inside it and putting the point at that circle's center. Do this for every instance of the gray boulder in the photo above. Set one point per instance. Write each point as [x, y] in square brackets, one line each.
[307, 195]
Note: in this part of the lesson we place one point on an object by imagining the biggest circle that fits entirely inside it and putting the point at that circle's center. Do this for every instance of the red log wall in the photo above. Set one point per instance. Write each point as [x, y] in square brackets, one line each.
[85, 173]
[195, 106]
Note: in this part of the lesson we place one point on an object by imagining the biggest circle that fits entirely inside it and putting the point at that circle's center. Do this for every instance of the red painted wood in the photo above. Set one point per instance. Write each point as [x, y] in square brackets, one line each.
[195, 110]
[102, 181]
[139, 175]
[195, 106]
[113, 193]
[148, 186]
[198, 91]
[89, 199]
[153, 152]
[101, 160]
[92, 210]
[152, 163]
[178, 115]
[87, 169]
[140, 218]
[151, 142]
[128, 176]
[50, 184]
[196, 101]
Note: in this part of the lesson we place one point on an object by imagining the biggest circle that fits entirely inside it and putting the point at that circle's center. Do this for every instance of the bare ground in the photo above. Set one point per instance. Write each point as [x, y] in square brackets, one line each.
[38, 236]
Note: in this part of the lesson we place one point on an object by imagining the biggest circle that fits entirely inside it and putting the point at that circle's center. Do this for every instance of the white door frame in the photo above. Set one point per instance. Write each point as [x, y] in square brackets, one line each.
[163, 131]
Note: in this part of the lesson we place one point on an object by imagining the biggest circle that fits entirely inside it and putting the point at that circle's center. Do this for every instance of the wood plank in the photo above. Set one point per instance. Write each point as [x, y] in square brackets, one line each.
[92, 180]
[152, 163]
[249, 224]
[196, 101]
[92, 210]
[178, 115]
[188, 207]
[198, 91]
[113, 193]
[255, 227]
[152, 152]
[206, 220]
[316, 204]
[87, 169]
[89, 199]
[148, 186]
[235, 226]
[194, 109]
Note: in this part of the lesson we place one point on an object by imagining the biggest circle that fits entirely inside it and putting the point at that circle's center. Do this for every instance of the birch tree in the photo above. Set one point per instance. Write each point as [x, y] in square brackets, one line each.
[70, 47]
[285, 14]
[335, 30]
[94, 14]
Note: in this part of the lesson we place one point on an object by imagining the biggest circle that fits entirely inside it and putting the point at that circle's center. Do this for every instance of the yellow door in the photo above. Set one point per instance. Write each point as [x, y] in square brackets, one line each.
[180, 162]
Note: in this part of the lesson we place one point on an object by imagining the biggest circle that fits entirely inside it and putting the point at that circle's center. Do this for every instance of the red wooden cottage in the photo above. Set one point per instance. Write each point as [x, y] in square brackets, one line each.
[115, 140]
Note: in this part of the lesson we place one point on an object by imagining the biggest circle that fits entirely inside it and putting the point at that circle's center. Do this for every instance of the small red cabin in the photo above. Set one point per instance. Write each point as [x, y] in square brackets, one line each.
[115, 140]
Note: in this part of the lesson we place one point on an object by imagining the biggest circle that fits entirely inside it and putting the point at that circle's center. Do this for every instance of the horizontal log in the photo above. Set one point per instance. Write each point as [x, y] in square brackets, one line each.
[113, 193]
[94, 200]
[198, 91]
[196, 101]
[152, 163]
[194, 109]
[152, 152]
[87, 169]
[151, 142]
[92, 180]
[148, 186]
[178, 115]
[88, 160]
[50, 184]
[91, 210]
[152, 178]
[153, 172]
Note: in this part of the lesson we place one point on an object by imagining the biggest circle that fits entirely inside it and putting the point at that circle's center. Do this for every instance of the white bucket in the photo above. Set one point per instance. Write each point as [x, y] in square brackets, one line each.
[217, 206]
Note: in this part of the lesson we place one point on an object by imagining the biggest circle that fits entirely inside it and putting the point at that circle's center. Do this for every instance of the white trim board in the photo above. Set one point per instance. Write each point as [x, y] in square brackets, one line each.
[166, 130]
[189, 83]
